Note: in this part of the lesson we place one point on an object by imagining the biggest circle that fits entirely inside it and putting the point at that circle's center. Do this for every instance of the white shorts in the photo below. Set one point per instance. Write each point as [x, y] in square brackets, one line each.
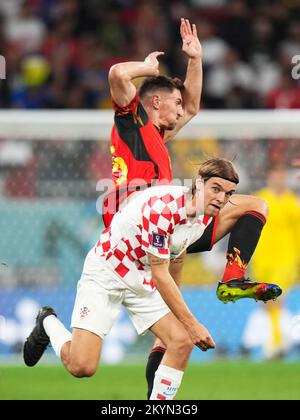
[100, 295]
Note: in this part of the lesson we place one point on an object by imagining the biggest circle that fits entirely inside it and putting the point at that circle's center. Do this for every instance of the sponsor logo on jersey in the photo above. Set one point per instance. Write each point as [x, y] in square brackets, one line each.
[158, 240]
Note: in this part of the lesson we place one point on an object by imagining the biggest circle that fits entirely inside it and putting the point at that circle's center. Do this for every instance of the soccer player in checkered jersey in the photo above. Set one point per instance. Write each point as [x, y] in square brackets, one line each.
[132, 265]
[129, 266]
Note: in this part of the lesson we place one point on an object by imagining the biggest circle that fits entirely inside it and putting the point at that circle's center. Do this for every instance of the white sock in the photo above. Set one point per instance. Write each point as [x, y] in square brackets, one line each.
[166, 383]
[57, 333]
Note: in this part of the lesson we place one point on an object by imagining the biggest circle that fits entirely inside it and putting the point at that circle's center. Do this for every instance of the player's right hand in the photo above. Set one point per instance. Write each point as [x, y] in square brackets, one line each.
[190, 41]
[152, 60]
[200, 336]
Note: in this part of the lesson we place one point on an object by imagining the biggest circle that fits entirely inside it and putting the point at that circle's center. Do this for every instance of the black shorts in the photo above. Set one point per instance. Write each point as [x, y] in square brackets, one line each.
[207, 240]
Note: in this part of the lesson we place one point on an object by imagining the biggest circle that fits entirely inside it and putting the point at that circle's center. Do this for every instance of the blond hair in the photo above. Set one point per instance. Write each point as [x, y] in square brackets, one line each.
[217, 167]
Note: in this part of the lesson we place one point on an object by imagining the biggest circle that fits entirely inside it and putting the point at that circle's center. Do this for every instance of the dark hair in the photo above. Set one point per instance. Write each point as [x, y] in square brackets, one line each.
[152, 84]
[218, 167]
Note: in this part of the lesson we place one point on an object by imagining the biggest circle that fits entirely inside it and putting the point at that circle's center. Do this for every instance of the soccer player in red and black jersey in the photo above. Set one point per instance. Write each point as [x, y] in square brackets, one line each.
[144, 122]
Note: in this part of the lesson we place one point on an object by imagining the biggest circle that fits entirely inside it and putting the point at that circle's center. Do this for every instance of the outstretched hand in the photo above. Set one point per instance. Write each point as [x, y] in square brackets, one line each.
[190, 41]
[152, 60]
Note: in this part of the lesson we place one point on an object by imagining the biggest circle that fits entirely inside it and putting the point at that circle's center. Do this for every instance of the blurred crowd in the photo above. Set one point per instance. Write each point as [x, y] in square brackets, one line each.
[58, 52]
[72, 169]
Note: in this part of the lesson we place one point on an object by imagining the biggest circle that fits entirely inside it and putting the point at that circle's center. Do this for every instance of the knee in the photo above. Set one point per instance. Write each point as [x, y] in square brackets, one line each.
[260, 205]
[183, 345]
[82, 370]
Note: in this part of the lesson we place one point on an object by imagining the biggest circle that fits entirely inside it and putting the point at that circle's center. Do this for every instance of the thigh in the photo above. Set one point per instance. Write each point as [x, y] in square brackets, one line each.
[96, 309]
[145, 310]
[85, 349]
[238, 205]
[98, 299]
[169, 329]
[225, 221]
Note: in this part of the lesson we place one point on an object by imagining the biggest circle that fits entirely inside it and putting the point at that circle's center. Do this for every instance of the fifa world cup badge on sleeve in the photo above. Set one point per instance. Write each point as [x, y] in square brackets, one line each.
[158, 240]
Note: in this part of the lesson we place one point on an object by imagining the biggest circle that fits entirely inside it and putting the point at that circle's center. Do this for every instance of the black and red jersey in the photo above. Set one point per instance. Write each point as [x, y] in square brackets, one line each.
[137, 146]
[140, 157]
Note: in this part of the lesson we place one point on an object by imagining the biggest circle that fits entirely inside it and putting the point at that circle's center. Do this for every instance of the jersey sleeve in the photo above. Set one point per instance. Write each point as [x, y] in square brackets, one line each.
[131, 115]
[130, 108]
[159, 217]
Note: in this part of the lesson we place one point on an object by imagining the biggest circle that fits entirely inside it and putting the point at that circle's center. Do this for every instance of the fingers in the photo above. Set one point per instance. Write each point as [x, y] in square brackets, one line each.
[195, 33]
[182, 28]
[158, 53]
[153, 56]
[206, 344]
[211, 343]
[202, 346]
[188, 25]
[186, 28]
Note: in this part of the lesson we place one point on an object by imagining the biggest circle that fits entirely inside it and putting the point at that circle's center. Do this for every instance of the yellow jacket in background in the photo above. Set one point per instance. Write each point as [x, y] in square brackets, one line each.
[277, 256]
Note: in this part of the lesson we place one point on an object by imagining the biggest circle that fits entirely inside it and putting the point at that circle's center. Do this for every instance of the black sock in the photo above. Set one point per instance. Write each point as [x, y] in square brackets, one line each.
[243, 240]
[154, 360]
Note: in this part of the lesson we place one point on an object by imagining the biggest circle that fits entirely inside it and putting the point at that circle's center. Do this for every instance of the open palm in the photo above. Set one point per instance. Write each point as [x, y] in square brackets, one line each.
[190, 41]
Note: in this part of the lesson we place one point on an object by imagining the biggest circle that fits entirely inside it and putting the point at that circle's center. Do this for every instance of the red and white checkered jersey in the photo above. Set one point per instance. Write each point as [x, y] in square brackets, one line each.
[153, 221]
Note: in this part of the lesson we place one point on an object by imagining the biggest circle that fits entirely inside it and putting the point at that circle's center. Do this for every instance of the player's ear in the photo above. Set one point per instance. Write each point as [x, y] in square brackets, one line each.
[155, 101]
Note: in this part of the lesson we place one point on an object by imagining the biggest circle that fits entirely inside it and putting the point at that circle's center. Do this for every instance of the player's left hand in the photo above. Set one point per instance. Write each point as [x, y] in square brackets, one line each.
[190, 41]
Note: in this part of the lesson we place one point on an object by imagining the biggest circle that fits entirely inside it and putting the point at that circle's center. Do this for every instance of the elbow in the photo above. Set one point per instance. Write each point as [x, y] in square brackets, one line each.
[116, 73]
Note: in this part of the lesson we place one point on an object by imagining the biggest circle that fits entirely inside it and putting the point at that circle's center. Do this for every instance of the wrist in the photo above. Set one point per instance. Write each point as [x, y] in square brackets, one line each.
[197, 57]
[150, 69]
[188, 321]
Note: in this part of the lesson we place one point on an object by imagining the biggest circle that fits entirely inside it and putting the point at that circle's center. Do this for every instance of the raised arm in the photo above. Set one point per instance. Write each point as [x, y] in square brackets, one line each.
[171, 294]
[193, 82]
[121, 75]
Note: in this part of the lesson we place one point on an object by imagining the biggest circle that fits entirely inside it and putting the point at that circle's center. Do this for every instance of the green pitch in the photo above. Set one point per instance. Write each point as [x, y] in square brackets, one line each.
[219, 380]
